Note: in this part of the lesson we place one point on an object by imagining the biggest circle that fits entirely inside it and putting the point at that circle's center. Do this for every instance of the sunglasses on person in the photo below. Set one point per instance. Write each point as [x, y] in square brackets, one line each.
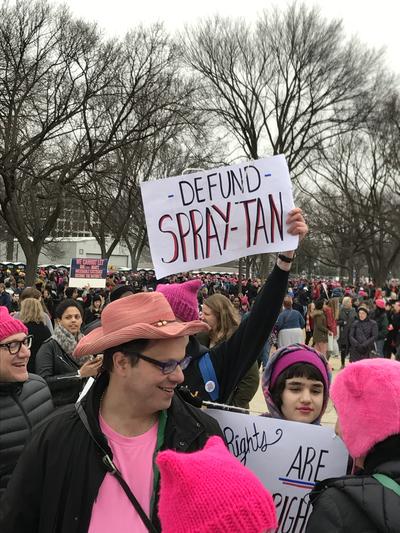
[14, 346]
[167, 367]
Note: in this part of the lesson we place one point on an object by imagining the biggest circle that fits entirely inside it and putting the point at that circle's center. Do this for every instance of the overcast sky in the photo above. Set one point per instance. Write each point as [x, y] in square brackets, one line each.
[376, 23]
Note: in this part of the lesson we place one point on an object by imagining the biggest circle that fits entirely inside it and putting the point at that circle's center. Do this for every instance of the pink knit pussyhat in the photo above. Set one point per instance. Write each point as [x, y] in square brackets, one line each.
[366, 396]
[182, 297]
[210, 491]
[10, 325]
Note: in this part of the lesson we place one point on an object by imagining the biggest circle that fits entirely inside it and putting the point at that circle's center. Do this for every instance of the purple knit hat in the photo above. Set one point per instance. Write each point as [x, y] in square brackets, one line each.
[10, 325]
[182, 297]
[210, 491]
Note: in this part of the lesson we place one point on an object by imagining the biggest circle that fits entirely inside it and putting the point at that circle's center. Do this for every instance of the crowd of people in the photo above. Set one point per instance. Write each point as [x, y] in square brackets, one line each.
[134, 451]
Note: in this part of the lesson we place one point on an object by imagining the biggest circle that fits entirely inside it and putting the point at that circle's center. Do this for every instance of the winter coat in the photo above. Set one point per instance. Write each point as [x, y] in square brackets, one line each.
[360, 504]
[5, 300]
[320, 332]
[381, 319]
[346, 318]
[91, 316]
[40, 334]
[290, 319]
[394, 335]
[363, 334]
[60, 372]
[61, 470]
[304, 297]
[330, 320]
[22, 407]
[233, 358]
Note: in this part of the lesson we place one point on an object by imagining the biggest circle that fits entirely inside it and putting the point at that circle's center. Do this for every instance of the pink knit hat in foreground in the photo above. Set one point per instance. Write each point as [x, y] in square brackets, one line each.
[210, 491]
[10, 325]
[182, 297]
[366, 395]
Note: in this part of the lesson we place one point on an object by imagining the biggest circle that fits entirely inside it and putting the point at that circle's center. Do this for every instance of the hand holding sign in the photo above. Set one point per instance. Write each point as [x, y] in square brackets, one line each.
[296, 224]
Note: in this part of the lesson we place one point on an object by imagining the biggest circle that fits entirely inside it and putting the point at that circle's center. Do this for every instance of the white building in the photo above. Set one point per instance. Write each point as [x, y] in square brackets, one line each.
[61, 251]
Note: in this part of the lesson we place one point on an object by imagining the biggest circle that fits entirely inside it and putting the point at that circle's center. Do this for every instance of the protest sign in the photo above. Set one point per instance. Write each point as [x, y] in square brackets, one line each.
[288, 457]
[214, 216]
[91, 272]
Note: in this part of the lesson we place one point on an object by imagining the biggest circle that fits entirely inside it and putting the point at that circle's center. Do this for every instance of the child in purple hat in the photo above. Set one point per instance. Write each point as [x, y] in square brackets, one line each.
[296, 384]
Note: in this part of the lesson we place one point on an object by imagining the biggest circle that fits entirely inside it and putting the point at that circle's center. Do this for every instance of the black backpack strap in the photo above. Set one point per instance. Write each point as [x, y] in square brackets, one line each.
[113, 470]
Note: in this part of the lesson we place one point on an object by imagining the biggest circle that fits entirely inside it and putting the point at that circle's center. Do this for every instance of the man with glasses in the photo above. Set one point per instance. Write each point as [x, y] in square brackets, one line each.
[25, 399]
[92, 468]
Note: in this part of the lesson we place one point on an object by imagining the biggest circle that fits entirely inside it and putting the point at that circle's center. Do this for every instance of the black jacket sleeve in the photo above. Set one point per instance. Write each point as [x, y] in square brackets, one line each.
[233, 358]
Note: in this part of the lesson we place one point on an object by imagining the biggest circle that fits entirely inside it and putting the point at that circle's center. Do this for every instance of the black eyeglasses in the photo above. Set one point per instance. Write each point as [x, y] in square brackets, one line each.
[14, 346]
[167, 367]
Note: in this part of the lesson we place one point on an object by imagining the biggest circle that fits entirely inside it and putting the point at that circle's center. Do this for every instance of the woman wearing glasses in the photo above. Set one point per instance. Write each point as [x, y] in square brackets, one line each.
[25, 399]
[54, 361]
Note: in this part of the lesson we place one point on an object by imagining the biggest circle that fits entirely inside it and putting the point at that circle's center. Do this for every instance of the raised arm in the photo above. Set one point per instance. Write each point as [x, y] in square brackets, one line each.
[233, 358]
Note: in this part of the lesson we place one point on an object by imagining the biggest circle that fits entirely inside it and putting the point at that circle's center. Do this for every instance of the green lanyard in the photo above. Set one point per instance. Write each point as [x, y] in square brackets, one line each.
[387, 482]
[162, 422]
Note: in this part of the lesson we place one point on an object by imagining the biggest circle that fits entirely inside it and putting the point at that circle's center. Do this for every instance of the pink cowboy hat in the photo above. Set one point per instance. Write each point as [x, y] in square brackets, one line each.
[140, 316]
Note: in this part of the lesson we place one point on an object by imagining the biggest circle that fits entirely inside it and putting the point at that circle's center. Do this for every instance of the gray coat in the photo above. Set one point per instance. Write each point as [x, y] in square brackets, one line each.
[22, 407]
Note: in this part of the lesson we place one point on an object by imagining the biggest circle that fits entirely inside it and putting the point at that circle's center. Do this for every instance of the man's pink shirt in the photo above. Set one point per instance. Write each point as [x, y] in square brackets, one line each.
[133, 456]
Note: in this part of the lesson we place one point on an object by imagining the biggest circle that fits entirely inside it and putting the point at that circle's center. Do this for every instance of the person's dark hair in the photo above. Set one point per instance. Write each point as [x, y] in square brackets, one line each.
[69, 291]
[319, 304]
[30, 292]
[127, 348]
[62, 306]
[299, 370]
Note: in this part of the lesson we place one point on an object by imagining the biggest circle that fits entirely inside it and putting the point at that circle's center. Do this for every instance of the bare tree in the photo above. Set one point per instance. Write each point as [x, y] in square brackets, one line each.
[353, 209]
[67, 100]
[285, 85]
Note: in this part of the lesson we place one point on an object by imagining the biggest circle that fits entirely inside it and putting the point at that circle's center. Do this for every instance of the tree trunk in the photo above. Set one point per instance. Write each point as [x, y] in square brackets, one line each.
[10, 247]
[136, 254]
[110, 250]
[32, 252]
[136, 249]
[248, 263]
[343, 271]
[241, 260]
[265, 262]
[103, 249]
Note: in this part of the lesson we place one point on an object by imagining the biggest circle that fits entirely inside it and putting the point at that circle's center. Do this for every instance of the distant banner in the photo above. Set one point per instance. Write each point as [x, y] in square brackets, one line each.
[214, 216]
[85, 272]
[288, 457]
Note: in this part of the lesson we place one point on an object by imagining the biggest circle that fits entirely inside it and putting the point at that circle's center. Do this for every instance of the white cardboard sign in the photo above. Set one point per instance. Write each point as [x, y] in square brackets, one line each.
[288, 457]
[214, 216]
